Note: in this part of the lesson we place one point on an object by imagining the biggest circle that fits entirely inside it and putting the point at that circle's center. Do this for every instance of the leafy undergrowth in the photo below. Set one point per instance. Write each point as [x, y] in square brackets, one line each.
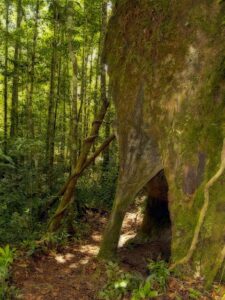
[7, 291]
[159, 284]
[72, 272]
[135, 285]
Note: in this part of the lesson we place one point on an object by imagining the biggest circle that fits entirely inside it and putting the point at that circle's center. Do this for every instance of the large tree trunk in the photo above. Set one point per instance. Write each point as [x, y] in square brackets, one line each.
[167, 64]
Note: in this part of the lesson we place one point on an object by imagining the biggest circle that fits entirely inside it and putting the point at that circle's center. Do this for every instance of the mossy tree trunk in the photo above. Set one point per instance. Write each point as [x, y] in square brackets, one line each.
[167, 69]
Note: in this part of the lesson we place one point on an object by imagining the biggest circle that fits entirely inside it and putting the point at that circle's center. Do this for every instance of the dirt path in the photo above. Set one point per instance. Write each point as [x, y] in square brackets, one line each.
[73, 273]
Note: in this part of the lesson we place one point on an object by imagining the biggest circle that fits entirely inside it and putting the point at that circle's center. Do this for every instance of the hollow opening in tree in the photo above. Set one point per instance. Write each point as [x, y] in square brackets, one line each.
[156, 225]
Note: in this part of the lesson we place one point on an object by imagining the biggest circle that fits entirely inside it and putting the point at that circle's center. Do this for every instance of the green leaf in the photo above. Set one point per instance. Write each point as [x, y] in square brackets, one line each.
[153, 294]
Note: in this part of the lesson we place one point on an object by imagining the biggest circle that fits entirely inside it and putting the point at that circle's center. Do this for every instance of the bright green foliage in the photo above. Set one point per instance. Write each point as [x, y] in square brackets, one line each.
[20, 201]
[194, 294]
[6, 259]
[122, 283]
[65, 27]
[156, 282]
[96, 188]
[24, 191]
[119, 283]
[159, 273]
[145, 291]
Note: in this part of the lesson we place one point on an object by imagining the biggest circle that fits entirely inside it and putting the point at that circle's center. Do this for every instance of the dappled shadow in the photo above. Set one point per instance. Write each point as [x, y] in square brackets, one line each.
[72, 273]
[135, 257]
[75, 272]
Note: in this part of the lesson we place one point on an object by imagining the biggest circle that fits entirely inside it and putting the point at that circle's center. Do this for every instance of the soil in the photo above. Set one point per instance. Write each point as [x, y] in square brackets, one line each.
[74, 272]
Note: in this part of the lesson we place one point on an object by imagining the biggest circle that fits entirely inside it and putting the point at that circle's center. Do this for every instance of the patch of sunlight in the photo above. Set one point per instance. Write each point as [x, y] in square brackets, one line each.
[73, 266]
[130, 226]
[124, 238]
[89, 249]
[69, 256]
[96, 237]
[60, 259]
[83, 261]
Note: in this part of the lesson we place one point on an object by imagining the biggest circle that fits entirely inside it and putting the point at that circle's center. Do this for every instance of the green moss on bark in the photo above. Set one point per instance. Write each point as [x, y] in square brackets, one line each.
[174, 52]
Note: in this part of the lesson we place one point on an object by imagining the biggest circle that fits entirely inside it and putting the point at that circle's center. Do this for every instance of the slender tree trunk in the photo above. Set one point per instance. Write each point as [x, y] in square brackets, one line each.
[74, 84]
[63, 123]
[96, 85]
[83, 106]
[74, 120]
[89, 92]
[52, 101]
[97, 78]
[104, 82]
[32, 75]
[81, 112]
[6, 76]
[91, 72]
[106, 154]
[103, 67]
[68, 193]
[14, 105]
[54, 124]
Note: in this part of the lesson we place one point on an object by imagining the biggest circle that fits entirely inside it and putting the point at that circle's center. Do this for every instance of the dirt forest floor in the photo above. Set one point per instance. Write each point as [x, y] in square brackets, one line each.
[74, 273]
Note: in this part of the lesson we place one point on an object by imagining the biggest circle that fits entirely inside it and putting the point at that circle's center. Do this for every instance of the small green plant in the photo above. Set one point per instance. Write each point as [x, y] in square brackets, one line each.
[159, 274]
[53, 241]
[194, 294]
[121, 283]
[30, 247]
[155, 284]
[145, 291]
[6, 259]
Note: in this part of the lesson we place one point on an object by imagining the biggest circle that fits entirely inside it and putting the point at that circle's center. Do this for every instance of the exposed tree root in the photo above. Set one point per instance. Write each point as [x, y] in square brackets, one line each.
[203, 212]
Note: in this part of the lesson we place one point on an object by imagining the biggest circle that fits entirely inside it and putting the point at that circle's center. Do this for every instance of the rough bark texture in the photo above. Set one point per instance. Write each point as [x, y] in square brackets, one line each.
[167, 68]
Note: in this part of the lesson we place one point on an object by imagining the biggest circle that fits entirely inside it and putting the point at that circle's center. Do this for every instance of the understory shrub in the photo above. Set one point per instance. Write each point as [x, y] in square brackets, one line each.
[97, 188]
[122, 283]
[6, 259]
